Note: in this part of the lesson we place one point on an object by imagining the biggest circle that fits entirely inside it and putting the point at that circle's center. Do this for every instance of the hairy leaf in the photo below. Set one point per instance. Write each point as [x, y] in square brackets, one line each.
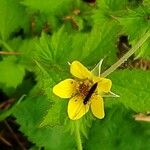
[135, 23]
[11, 73]
[30, 113]
[11, 14]
[133, 88]
[116, 130]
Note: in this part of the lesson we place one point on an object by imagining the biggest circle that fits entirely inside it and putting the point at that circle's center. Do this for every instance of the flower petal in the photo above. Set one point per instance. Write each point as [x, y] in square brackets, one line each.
[65, 88]
[97, 106]
[76, 108]
[104, 85]
[79, 71]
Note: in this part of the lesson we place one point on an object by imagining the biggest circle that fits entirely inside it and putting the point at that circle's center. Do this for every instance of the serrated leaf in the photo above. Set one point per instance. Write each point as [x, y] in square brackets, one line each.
[50, 49]
[133, 88]
[113, 5]
[116, 5]
[43, 48]
[55, 115]
[105, 47]
[108, 10]
[116, 130]
[10, 17]
[81, 46]
[29, 114]
[135, 23]
[93, 39]
[11, 73]
[61, 44]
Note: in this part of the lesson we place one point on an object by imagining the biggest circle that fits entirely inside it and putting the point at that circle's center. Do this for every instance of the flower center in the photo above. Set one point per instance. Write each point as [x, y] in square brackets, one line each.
[84, 87]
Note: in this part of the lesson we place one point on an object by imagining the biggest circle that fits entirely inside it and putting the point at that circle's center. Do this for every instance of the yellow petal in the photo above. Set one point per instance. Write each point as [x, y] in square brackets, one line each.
[76, 108]
[104, 85]
[79, 71]
[97, 106]
[65, 88]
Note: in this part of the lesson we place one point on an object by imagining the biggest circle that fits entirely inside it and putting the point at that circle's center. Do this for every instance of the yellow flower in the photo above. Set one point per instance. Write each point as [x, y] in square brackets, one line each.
[85, 91]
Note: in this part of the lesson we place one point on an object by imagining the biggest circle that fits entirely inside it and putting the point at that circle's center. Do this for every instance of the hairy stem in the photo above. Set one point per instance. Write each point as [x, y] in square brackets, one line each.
[127, 55]
[9, 53]
[78, 136]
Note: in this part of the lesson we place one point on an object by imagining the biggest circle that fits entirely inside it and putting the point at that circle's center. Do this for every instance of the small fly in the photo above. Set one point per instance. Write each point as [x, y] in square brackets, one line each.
[89, 94]
[86, 99]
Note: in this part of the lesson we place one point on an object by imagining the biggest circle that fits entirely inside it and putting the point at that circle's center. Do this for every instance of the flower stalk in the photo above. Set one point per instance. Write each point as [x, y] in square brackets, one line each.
[78, 136]
[127, 55]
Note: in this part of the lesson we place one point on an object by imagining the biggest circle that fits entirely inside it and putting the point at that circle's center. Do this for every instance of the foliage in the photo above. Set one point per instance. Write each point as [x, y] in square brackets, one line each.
[10, 17]
[15, 75]
[134, 84]
[117, 130]
[31, 128]
[38, 40]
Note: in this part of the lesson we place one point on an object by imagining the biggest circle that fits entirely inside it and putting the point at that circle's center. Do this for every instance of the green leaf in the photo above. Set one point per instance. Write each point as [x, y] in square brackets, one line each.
[133, 88]
[108, 10]
[43, 48]
[116, 130]
[47, 6]
[30, 113]
[61, 44]
[11, 73]
[11, 14]
[93, 39]
[135, 23]
[113, 5]
[103, 46]
[143, 51]
[57, 113]
[50, 49]
[81, 46]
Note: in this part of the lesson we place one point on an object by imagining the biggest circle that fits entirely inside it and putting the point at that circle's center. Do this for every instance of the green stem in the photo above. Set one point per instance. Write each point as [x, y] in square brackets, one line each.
[6, 45]
[127, 55]
[78, 137]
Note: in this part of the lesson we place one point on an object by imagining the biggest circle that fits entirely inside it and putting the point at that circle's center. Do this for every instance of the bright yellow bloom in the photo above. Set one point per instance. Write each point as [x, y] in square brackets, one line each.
[85, 91]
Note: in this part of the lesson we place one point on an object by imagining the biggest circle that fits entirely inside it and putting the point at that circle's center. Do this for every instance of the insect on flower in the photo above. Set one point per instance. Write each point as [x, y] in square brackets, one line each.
[88, 96]
[85, 91]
